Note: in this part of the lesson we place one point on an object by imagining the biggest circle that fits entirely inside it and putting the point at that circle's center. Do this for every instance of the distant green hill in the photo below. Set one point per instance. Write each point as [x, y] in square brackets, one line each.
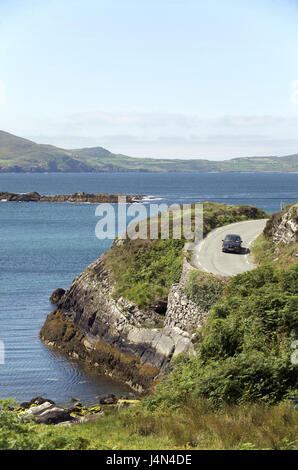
[22, 155]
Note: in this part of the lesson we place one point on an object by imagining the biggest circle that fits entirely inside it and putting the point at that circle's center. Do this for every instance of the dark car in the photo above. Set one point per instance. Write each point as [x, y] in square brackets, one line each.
[232, 242]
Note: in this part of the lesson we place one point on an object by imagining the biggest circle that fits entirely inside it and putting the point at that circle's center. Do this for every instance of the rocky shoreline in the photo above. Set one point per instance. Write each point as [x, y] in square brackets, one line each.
[114, 336]
[46, 411]
[79, 197]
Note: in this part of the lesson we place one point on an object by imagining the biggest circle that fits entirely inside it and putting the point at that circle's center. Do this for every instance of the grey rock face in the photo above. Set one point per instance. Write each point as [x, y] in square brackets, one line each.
[286, 230]
[118, 322]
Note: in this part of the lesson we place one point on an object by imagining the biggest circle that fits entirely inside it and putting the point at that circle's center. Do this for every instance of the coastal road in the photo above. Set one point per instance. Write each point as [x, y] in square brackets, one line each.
[207, 255]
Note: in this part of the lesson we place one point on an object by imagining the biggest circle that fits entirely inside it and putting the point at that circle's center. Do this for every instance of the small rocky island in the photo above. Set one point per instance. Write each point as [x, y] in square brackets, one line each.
[79, 197]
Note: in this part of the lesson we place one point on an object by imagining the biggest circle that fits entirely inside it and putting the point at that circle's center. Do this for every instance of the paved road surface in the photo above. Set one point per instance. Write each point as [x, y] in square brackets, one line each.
[208, 256]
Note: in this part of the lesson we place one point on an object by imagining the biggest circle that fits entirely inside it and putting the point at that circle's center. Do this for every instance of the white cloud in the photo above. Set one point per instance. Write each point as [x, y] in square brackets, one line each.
[161, 134]
[153, 124]
[133, 119]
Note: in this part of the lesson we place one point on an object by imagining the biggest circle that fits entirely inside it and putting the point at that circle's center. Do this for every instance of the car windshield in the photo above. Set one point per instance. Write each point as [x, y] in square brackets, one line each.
[232, 238]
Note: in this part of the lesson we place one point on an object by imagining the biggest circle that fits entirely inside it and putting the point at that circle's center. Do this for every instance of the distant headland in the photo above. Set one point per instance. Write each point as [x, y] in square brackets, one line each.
[18, 155]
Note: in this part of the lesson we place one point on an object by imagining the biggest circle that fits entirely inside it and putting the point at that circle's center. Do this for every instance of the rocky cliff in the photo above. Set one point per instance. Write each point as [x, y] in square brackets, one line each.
[113, 335]
[282, 228]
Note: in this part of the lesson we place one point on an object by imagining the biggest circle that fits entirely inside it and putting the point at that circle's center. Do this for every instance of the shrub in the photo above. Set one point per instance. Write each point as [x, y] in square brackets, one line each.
[204, 289]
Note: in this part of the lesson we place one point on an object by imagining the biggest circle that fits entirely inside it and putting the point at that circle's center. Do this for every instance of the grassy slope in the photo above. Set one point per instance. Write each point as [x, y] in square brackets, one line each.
[17, 154]
[194, 426]
[264, 251]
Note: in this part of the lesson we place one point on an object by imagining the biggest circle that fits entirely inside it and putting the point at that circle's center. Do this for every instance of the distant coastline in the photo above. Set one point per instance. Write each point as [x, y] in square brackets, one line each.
[18, 155]
[45, 171]
[79, 197]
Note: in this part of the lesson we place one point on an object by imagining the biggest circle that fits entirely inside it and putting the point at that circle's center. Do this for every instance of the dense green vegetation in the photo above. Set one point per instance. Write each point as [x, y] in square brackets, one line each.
[144, 270]
[22, 155]
[189, 426]
[205, 289]
[217, 215]
[244, 350]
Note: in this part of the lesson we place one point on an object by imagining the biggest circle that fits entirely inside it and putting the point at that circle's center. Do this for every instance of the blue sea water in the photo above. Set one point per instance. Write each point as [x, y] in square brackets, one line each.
[44, 246]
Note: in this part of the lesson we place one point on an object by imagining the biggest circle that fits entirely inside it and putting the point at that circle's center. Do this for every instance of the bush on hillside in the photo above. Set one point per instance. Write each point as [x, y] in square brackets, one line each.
[204, 289]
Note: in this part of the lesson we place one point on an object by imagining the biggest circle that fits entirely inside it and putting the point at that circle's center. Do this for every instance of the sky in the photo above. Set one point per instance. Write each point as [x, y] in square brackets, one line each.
[209, 79]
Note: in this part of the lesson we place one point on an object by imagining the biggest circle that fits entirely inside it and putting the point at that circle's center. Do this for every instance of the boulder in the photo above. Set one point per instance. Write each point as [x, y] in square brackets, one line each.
[48, 413]
[33, 196]
[40, 401]
[57, 295]
[35, 401]
[109, 400]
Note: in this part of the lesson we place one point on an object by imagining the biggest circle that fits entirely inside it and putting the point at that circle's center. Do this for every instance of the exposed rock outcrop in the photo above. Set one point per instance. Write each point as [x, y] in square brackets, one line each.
[285, 229]
[57, 295]
[114, 335]
[282, 227]
[45, 411]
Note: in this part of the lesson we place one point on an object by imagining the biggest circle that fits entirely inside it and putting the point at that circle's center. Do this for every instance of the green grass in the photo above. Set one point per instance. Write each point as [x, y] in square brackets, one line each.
[265, 251]
[217, 215]
[231, 395]
[144, 270]
[191, 426]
